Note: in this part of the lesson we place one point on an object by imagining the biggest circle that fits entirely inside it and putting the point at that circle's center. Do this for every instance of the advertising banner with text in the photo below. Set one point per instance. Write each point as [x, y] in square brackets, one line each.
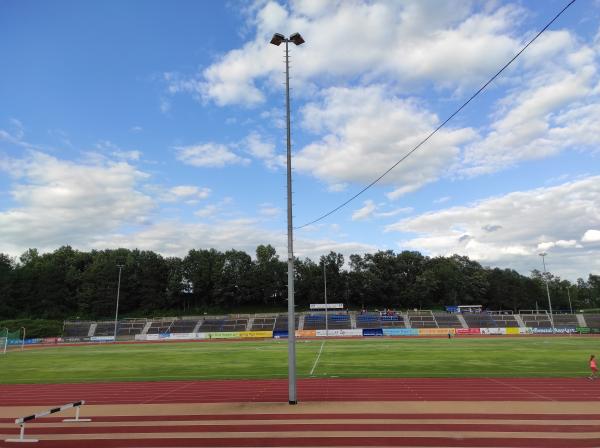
[345, 332]
[435, 331]
[400, 332]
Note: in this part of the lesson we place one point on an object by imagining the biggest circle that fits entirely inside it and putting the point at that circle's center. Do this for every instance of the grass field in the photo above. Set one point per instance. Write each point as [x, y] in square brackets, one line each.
[350, 358]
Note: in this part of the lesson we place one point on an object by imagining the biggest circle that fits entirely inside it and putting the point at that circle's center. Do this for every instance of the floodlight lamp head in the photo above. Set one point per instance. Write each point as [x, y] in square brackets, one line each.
[297, 39]
[277, 39]
[543, 254]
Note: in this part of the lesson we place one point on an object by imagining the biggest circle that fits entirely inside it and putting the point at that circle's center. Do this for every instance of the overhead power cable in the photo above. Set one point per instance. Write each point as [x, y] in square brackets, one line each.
[432, 133]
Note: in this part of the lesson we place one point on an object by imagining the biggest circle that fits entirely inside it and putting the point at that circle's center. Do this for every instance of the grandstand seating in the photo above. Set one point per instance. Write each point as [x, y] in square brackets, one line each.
[392, 321]
[338, 322]
[281, 323]
[421, 319]
[211, 324]
[505, 320]
[263, 324]
[368, 320]
[105, 329]
[592, 320]
[76, 329]
[314, 322]
[536, 320]
[447, 320]
[130, 327]
[184, 325]
[480, 320]
[235, 324]
[161, 326]
[565, 320]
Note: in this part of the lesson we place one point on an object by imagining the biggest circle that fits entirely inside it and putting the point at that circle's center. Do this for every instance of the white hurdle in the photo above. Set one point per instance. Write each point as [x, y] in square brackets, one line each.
[21, 421]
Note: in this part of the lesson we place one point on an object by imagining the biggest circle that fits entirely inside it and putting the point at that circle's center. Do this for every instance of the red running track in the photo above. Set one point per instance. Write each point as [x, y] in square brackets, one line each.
[229, 391]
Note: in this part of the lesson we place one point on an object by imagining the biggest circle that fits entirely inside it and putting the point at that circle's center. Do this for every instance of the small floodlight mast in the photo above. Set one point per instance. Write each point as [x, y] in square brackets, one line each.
[543, 255]
[277, 40]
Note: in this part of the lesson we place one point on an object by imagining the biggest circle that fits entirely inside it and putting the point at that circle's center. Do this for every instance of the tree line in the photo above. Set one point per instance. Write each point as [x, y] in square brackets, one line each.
[68, 283]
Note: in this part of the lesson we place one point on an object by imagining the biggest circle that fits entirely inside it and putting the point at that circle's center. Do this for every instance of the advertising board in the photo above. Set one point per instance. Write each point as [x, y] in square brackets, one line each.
[400, 332]
[345, 332]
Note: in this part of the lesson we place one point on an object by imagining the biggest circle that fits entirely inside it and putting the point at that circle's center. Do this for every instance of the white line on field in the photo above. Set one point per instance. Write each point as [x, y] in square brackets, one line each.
[317, 360]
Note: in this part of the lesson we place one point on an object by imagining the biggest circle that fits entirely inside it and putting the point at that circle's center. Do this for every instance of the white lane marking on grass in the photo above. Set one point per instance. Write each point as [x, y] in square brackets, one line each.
[317, 360]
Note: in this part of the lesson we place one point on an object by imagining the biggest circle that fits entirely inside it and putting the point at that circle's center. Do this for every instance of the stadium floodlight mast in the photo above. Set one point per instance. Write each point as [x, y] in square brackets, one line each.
[277, 40]
[325, 297]
[120, 266]
[543, 255]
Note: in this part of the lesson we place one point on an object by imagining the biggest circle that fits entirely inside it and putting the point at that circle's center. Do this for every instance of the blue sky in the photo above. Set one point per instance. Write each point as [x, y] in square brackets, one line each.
[160, 125]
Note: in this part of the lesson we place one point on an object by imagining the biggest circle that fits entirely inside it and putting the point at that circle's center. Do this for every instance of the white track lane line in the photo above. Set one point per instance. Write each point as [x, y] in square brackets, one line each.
[317, 360]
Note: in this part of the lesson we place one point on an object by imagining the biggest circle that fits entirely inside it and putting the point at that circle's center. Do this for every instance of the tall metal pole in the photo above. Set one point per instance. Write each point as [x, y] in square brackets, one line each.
[291, 312]
[325, 295]
[120, 266]
[569, 296]
[543, 255]
[23, 340]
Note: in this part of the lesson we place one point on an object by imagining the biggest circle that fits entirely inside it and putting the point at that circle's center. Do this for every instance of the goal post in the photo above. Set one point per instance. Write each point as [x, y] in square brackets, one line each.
[10, 340]
[3, 340]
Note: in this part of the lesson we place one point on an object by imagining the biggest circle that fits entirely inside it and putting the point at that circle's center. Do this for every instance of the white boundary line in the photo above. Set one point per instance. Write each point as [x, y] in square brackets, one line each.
[317, 360]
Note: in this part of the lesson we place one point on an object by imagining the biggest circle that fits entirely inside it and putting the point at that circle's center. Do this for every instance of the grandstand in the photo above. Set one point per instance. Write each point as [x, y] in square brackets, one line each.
[339, 322]
[185, 325]
[422, 319]
[536, 319]
[392, 321]
[504, 319]
[368, 320]
[480, 320]
[131, 327]
[592, 320]
[161, 326]
[565, 320]
[263, 324]
[77, 329]
[281, 323]
[128, 329]
[106, 328]
[447, 320]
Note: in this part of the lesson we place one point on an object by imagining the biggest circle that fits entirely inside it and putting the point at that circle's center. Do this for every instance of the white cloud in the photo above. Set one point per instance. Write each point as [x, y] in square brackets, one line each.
[510, 230]
[61, 202]
[450, 44]
[208, 155]
[591, 236]
[189, 193]
[269, 210]
[365, 212]
[263, 150]
[554, 109]
[366, 131]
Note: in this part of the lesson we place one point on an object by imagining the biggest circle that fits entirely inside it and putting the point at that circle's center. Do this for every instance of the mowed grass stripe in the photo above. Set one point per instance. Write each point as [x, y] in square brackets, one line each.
[265, 359]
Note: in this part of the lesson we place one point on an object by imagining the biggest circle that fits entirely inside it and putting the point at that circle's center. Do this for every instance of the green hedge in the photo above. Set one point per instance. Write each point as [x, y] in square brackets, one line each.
[34, 328]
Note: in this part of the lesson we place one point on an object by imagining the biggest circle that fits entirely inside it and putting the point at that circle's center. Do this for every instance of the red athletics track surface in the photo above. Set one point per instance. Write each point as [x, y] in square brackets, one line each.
[327, 390]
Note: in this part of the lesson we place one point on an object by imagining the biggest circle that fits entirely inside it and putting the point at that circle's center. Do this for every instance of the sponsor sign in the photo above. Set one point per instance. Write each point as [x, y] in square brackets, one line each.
[223, 335]
[435, 331]
[182, 336]
[304, 333]
[102, 338]
[467, 331]
[256, 334]
[329, 306]
[372, 332]
[400, 332]
[513, 330]
[493, 330]
[280, 334]
[345, 332]
[583, 330]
